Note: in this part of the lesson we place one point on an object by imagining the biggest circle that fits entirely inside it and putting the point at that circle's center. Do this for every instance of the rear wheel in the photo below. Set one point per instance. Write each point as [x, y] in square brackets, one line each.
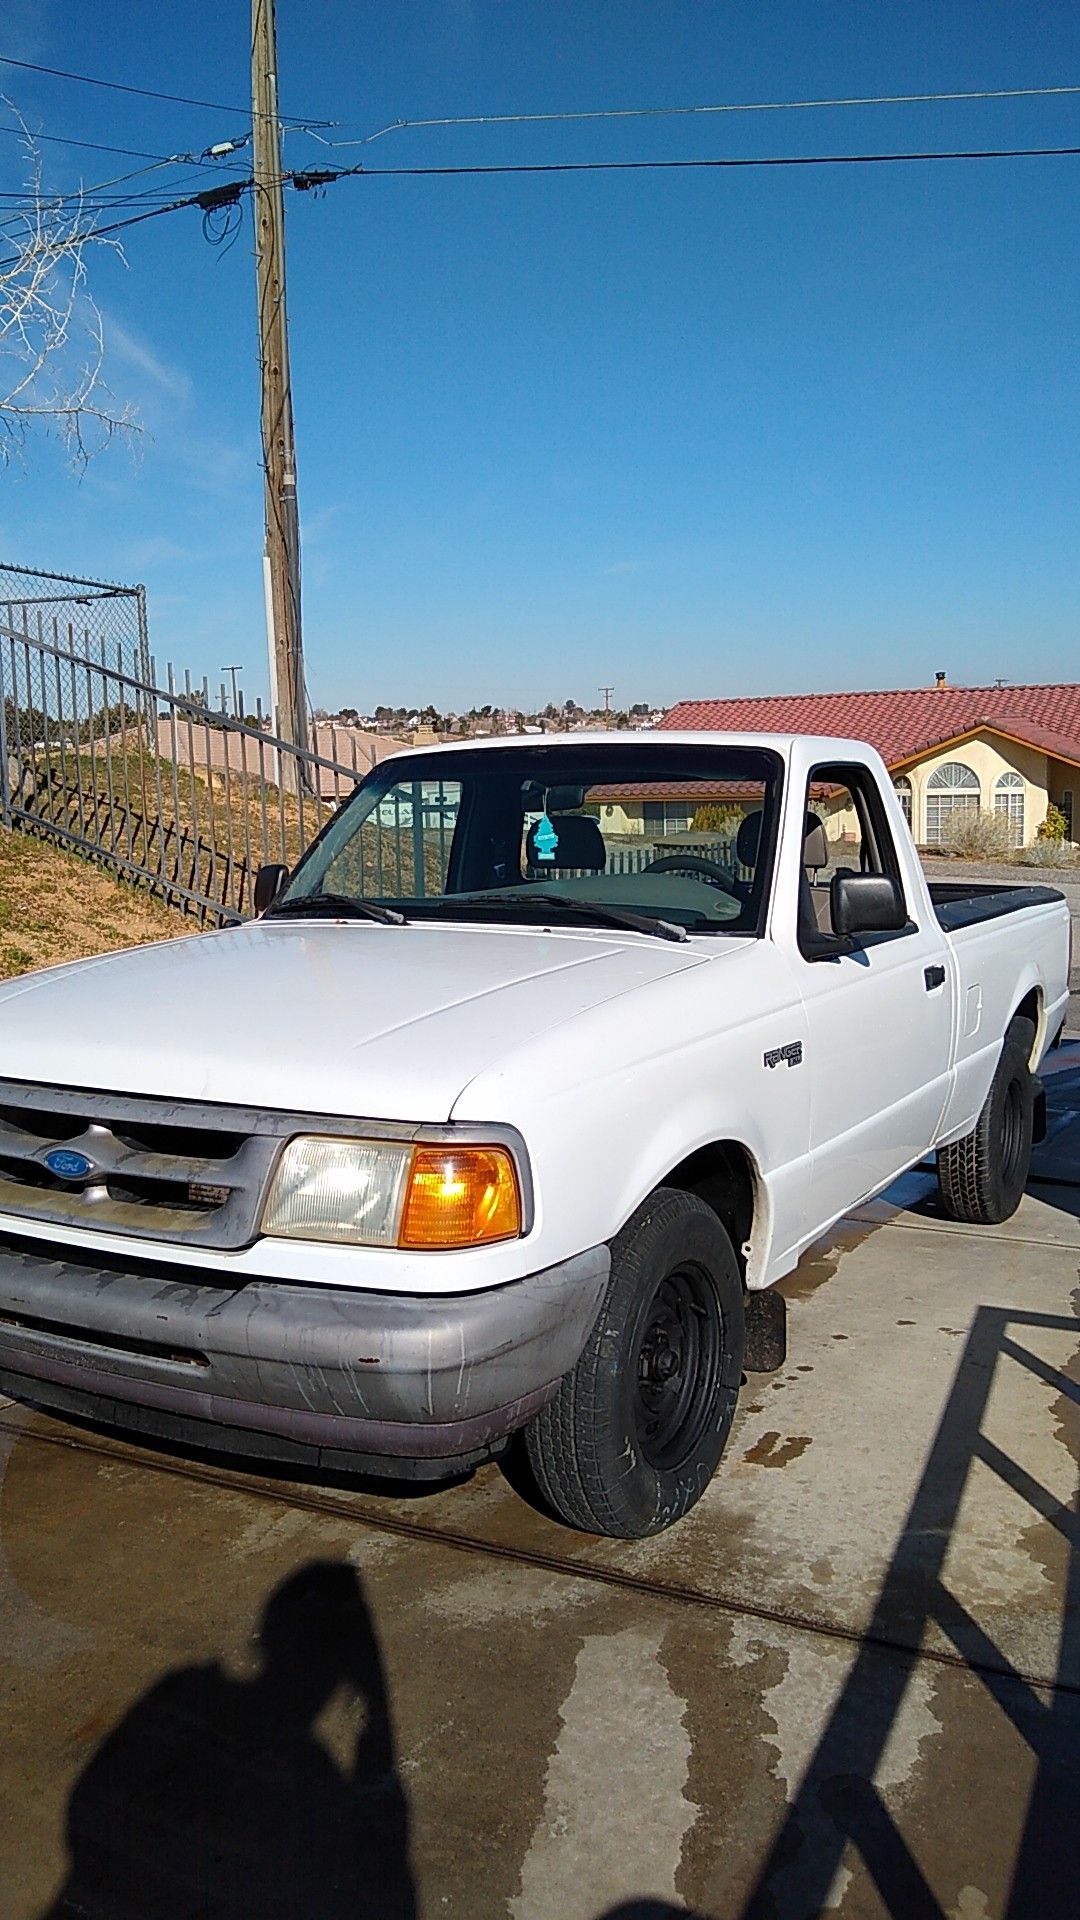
[636, 1430]
[982, 1177]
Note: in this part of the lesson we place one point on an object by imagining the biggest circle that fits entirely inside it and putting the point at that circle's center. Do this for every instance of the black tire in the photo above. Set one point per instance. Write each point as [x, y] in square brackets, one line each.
[636, 1430]
[982, 1177]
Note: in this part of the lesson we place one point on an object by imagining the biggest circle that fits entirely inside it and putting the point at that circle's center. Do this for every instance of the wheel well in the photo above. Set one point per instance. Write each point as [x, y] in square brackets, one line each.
[721, 1174]
[1030, 1008]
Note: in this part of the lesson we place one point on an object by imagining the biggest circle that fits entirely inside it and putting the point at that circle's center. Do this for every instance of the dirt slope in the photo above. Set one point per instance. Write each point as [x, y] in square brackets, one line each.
[55, 906]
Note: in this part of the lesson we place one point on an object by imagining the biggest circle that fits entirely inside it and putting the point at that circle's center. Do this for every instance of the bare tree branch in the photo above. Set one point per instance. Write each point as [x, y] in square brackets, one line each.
[52, 341]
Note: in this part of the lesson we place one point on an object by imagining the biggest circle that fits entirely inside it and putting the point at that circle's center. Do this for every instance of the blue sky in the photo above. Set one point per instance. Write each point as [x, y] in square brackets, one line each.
[682, 433]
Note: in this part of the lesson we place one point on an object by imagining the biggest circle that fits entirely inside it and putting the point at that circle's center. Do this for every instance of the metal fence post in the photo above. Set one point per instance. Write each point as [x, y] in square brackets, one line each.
[5, 771]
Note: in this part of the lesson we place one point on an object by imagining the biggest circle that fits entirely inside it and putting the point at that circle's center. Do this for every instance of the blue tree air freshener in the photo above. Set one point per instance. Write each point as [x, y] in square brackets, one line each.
[545, 839]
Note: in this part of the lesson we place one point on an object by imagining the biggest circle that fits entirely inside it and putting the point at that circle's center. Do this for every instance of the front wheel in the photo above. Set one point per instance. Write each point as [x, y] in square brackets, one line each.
[982, 1177]
[636, 1430]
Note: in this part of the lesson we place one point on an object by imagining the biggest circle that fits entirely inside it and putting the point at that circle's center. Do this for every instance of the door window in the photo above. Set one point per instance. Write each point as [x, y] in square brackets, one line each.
[845, 832]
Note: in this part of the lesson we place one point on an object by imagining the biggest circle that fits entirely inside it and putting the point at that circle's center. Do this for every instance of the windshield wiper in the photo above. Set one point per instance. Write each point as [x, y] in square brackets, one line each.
[335, 906]
[599, 915]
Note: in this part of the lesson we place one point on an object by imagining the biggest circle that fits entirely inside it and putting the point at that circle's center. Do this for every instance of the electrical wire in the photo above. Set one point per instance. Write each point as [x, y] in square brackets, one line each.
[737, 106]
[305, 180]
[92, 146]
[92, 198]
[148, 93]
[316, 177]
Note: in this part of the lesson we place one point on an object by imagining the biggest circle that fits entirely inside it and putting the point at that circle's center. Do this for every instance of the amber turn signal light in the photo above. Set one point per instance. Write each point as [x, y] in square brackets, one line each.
[460, 1197]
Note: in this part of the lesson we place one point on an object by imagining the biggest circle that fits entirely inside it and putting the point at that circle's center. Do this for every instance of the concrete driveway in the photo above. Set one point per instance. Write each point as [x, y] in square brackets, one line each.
[848, 1683]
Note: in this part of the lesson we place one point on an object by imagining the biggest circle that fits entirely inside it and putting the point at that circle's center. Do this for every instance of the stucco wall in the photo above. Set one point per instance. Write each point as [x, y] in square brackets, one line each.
[988, 756]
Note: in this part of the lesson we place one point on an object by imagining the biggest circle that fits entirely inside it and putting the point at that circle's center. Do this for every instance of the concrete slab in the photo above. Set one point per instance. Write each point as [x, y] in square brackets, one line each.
[849, 1682]
[931, 1392]
[220, 1703]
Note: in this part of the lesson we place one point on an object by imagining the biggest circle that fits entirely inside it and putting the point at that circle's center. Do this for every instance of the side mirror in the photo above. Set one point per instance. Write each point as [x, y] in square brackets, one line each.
[268, 884]
[866, 903]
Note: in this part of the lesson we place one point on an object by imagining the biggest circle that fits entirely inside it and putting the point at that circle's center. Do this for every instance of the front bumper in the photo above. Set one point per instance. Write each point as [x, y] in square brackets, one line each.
[306, 1374]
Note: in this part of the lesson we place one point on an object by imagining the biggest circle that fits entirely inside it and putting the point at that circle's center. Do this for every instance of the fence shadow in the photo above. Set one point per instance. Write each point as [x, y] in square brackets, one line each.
[215, 1797]
[838, 1809]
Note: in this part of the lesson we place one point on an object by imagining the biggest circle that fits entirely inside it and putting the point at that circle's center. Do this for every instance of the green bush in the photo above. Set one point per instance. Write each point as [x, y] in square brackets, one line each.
[1054, 827]
[712, 817]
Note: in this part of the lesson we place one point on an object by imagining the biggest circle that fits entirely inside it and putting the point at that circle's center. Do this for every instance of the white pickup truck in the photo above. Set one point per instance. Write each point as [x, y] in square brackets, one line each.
[546, 1062]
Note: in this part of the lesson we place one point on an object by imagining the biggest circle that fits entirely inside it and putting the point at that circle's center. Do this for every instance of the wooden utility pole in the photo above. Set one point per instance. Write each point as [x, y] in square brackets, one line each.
[282, 561]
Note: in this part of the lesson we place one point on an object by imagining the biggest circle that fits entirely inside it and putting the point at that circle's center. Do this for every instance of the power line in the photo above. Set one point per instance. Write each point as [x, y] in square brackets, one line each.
[91, 202]
[304, 180]
[144, 93]
[314, 177]
[737, 106]
[92, 146]
[86, 196]
[227, 194]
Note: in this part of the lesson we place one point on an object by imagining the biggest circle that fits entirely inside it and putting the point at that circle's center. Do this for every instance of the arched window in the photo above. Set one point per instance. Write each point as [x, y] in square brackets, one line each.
[1009, 805]
[902, 790]
[952, 788]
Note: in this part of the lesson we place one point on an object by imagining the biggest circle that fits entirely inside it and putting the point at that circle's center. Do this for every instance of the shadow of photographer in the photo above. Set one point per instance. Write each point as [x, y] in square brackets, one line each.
[216, 1795]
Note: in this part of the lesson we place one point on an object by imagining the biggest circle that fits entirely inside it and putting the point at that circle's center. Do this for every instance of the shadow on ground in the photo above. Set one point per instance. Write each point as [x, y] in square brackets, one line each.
[838, 1811]
[214, 1796]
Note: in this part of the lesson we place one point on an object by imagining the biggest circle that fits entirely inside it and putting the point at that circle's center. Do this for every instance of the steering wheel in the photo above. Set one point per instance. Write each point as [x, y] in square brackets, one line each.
[709, 871]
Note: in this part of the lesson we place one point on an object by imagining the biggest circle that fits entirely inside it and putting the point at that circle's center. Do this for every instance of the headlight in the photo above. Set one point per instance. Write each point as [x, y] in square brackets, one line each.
[376, 1193]
[338, 1190]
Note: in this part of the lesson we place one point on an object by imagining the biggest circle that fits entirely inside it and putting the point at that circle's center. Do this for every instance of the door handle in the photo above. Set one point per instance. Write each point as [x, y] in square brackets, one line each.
[934, 977]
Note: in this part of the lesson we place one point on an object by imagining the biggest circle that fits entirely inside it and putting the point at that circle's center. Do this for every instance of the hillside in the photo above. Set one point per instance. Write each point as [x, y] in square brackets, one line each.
[55, 906]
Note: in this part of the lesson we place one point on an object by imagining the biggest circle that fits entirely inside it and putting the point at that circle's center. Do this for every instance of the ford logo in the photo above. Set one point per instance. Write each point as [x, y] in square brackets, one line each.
[67, 1165]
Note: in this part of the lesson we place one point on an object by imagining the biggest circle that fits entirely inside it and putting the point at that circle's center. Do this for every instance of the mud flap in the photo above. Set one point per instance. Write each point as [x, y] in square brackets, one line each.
[766, 1330]
[1038, 1115]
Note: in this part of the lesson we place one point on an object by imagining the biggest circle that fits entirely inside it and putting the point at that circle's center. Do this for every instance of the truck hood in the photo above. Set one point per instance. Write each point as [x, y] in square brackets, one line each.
[325, 1017]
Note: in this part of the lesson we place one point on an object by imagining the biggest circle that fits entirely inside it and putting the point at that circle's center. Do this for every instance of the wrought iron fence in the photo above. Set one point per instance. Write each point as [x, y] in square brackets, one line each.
[166, 786]
[150, 776]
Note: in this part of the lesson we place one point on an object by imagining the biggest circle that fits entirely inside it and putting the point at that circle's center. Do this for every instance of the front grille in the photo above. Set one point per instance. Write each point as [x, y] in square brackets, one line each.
[158, 1169]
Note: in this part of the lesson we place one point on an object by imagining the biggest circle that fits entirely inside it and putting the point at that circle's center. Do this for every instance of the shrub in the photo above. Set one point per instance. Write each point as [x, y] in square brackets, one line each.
[1051, 853]
[979, 836]
[712, 817]
[1054, 826]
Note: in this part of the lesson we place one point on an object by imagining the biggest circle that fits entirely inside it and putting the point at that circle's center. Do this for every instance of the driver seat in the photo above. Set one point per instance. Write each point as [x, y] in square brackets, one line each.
[814, 899]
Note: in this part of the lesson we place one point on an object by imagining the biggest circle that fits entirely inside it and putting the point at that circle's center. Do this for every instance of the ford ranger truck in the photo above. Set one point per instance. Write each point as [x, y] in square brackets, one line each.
[543, 1066]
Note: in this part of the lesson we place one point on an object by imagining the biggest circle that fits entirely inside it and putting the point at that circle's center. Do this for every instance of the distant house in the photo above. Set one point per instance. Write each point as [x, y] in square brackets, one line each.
[1010, 750]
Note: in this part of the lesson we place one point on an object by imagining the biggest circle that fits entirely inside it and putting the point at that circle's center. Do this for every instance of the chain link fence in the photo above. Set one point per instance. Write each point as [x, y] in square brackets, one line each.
[96, 618]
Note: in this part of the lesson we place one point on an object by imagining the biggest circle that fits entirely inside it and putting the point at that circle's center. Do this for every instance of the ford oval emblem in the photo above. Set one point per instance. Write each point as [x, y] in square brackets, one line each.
[67, 1165]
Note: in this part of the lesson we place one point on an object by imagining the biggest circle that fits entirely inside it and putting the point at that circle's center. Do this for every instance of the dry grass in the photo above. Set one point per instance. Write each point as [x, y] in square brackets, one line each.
[130, 797]
[244, 820]
[55, 906]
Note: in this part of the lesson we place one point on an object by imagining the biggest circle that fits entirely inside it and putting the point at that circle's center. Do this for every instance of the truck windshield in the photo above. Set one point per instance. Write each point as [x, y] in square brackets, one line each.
[681, 837]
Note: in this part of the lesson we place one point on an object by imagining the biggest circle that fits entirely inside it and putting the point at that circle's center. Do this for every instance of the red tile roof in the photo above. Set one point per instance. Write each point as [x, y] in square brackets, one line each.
[700, 791]
[905, 721]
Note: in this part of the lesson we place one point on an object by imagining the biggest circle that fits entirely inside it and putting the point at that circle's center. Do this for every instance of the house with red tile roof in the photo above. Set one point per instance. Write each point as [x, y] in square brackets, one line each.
[1010, 750]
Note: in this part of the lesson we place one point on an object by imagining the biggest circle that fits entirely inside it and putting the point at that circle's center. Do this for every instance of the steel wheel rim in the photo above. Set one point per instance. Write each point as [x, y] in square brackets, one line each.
[678, 1366]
